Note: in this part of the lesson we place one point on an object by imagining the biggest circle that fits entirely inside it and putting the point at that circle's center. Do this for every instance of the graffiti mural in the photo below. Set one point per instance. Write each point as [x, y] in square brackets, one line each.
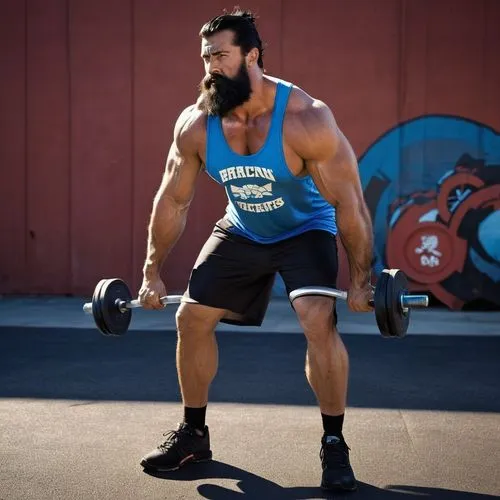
[433, 189]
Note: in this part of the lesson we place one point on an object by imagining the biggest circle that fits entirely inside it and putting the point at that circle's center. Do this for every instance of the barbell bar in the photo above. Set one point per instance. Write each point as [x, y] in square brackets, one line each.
[122, 305]
[406, 301]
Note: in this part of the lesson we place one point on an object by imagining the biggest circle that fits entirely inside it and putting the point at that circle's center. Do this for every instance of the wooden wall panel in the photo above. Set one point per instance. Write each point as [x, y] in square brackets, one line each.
[47, 148]
[101, 141]
[13, 276]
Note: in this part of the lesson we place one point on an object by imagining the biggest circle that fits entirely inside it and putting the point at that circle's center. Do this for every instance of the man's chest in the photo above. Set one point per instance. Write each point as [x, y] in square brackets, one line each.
[250, 138]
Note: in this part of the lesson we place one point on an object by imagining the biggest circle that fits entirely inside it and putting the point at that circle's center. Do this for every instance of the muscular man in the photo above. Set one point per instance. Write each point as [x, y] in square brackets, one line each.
[291, 180]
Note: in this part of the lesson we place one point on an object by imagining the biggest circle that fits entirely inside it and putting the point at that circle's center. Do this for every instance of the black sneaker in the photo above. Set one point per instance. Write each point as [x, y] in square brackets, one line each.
[181, 446]
[337, 471]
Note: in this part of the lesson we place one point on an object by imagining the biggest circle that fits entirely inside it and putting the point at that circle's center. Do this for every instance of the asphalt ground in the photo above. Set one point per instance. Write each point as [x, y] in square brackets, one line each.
[78, 411]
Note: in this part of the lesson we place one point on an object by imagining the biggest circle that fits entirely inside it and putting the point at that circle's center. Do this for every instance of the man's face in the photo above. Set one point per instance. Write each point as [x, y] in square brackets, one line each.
[226, 84]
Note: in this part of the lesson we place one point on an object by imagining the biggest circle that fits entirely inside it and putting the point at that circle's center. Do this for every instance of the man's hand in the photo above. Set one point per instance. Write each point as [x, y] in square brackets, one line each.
[150, 293]
[359, 299]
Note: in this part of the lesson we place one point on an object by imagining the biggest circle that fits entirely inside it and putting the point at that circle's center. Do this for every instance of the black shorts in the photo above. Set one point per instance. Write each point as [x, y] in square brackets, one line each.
[237, 274]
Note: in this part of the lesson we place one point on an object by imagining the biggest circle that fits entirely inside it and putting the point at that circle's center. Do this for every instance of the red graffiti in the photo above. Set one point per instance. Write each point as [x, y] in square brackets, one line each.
[428, 238]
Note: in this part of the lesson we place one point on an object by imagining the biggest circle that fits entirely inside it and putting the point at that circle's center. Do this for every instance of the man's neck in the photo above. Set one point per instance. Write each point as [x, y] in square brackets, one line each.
[261, 101]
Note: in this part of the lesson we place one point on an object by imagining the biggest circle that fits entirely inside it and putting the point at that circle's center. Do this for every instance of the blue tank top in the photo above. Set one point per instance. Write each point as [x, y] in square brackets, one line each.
[266, 202]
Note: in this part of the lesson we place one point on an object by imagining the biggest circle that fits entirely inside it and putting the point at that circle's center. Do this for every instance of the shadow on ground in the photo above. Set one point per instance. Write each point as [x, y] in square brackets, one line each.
[417, 372]
[252, 486]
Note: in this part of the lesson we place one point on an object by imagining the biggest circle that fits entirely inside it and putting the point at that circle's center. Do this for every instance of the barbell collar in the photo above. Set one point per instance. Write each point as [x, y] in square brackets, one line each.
[414, 301]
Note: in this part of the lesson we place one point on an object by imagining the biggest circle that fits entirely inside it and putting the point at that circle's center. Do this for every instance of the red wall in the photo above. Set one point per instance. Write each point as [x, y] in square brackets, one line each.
[90, 90]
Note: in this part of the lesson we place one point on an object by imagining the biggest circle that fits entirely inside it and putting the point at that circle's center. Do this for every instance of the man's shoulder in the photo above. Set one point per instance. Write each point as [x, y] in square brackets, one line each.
[309, 124]
[306, 112]
[302, 108]
[191, 119]
[190, 127]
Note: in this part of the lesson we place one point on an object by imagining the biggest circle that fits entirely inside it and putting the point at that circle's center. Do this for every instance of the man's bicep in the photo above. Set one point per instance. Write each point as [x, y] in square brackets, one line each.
[335, 172]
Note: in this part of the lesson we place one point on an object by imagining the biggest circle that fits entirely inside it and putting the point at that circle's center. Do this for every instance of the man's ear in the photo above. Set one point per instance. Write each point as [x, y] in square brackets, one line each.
[252, 57]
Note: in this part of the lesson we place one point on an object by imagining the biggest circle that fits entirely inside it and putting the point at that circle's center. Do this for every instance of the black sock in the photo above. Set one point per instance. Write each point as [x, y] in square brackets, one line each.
[332, 425]
[195, 417]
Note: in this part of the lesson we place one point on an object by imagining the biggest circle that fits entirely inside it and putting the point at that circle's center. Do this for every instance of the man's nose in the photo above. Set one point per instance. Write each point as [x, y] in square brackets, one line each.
[213, 68]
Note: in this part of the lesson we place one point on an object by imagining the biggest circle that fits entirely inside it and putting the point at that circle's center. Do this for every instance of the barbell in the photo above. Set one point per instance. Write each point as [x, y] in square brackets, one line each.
[391, 301]
[112, 306]
[112, 303]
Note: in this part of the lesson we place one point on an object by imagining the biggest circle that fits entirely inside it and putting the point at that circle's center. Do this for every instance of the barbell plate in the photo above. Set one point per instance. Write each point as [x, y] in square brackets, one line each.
[97, 308]
[398, 319]
[381, 314]
[114, 321]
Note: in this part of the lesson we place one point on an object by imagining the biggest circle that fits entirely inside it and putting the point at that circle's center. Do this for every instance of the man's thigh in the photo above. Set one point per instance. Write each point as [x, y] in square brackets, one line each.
[232, 273]
[309, 259]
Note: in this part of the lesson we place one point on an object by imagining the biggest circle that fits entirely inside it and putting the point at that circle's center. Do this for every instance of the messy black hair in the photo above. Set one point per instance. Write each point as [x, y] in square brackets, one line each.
[242, 24]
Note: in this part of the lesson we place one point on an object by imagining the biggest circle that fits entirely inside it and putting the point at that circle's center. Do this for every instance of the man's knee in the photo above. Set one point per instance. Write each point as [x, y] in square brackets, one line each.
[196, 319]
[316, 316]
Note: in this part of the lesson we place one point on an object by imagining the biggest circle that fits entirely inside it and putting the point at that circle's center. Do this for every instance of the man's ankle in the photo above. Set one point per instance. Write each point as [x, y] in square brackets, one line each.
[195, 418]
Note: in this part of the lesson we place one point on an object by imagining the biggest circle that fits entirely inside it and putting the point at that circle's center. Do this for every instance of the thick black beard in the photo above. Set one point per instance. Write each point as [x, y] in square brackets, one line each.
[221, 94]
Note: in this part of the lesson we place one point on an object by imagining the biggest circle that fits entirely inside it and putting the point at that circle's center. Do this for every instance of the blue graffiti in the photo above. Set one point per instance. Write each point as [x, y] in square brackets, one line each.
[489, 235]
[415, 156]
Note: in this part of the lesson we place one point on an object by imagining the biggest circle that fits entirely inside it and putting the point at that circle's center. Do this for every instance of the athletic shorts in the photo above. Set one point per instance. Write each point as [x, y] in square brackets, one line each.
[237, 274]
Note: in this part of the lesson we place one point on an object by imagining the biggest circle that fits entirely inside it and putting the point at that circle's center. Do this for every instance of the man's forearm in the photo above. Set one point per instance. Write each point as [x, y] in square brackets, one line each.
[356, 234]
[166, 225]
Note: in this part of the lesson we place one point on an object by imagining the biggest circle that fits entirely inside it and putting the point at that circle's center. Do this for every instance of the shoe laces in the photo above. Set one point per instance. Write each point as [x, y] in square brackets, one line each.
[334, 453]
[173, 437]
